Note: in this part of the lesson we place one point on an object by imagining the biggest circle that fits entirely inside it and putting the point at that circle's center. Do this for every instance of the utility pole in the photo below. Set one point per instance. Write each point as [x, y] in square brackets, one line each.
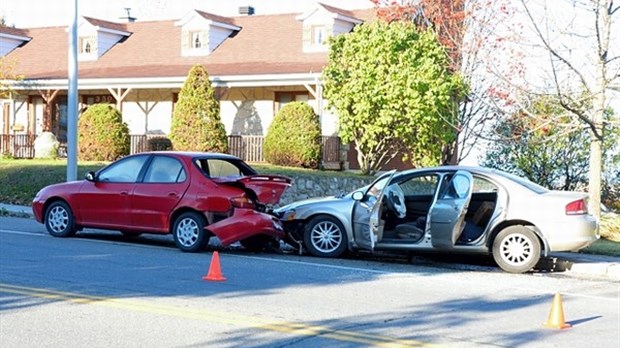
[72, 106]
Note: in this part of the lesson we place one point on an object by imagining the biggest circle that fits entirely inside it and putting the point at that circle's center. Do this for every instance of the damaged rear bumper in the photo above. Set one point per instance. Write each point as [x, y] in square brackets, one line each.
[245, 223]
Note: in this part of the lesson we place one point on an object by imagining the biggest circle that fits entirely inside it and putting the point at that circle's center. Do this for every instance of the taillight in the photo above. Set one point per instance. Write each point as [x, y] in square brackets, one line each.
[578, 207]
[242, 202]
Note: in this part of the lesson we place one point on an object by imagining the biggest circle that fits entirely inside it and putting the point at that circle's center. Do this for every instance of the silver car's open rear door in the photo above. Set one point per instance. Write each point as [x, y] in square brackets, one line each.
[448, 213]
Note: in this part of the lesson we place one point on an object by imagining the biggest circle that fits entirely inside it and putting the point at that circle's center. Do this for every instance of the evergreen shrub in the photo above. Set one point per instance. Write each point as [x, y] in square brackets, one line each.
[294, 137]
[102, 134]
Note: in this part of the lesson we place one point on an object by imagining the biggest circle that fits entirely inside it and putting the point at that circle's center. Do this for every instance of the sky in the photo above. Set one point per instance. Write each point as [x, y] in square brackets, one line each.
[44, 13]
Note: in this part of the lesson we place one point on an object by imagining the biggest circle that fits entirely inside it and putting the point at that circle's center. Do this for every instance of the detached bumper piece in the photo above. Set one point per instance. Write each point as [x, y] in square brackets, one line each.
[245, 223]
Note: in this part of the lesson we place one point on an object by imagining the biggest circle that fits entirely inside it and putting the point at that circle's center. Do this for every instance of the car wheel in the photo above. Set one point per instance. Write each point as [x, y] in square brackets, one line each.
[325, 237]
[189, 233]
[59, 220]
[516, 249]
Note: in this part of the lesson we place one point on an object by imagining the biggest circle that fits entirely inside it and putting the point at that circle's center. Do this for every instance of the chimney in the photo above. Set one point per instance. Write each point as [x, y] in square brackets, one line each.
[246, 10]
[129, 18]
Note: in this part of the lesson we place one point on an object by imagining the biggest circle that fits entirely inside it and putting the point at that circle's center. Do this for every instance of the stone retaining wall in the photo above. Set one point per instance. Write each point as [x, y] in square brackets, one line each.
[308, 186]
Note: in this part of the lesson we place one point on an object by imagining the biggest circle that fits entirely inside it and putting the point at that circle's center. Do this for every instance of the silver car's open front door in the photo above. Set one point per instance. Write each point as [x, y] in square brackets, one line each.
[367, 227]
[448, 213]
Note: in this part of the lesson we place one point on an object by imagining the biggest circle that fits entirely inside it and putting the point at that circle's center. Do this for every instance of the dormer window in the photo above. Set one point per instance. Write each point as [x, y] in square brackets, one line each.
[322, 22]
[196, 40]
[318, 35]
[96, 37]
[202, 33]
[87, 45]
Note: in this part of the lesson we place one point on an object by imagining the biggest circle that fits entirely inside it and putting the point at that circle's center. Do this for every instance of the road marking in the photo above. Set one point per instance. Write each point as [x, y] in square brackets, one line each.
[38, 234]
[214, 316]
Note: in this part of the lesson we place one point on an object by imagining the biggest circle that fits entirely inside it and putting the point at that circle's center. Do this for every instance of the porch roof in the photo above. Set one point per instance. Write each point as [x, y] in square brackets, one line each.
[267, 49]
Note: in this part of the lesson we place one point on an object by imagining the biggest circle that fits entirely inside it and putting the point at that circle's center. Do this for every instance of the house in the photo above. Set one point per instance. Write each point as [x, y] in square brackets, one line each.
[257, 63]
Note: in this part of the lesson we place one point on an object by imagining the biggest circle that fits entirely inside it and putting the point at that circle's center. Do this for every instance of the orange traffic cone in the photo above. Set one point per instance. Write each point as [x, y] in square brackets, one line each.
[556, 316]
[215, 273]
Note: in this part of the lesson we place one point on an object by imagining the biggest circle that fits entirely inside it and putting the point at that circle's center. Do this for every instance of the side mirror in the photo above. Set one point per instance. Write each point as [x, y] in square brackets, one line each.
[358, 195]
[90, 176]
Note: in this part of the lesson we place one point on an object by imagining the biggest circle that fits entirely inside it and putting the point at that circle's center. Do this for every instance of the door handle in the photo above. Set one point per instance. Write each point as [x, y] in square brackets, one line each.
[123, 193]
[172, 194]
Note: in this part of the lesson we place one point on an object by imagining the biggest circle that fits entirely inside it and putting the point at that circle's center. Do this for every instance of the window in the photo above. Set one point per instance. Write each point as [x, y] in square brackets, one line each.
[195, 39]
[318, 35]
[165, 169]
[217, 167]
[420, 185]
[86, 45]
[126, 170]
[282, 98]
[458, 187]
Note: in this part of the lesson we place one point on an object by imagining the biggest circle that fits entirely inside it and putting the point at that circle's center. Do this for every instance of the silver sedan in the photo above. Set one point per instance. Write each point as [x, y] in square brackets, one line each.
[449, 209]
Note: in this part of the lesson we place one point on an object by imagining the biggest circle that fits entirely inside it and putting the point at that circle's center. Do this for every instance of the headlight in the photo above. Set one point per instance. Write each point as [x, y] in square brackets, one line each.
[288, 215]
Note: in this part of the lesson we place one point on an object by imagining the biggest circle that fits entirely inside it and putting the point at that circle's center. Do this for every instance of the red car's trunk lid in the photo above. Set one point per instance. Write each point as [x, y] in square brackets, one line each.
[268, 188]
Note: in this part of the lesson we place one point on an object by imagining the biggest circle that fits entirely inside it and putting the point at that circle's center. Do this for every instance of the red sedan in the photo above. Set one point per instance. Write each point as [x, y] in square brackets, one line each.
[192, 195]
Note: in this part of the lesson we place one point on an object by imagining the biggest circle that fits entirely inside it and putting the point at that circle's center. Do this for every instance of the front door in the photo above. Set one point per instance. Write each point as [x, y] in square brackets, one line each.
[106, 201]
[447, 215]
[155, 197]
[367, 226]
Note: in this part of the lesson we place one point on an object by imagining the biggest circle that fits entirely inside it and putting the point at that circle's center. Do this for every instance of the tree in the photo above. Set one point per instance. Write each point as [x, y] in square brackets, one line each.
[541, 150]
[472, 32]
[581, 58]
[7, 73]
[294, 137]
[102, 134]
[196, 123]
[391, 87]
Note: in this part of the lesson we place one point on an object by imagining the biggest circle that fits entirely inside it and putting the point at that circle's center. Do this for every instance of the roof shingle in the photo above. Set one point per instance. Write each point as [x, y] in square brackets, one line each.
[266, 44]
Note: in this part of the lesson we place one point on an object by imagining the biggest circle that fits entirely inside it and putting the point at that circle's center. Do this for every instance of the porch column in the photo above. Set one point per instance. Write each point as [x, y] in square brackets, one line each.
[48, 98]
[119, 95]
[317, 93]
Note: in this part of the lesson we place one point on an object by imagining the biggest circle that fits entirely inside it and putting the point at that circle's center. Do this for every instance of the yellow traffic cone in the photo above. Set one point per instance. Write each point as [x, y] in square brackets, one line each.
[556, 315]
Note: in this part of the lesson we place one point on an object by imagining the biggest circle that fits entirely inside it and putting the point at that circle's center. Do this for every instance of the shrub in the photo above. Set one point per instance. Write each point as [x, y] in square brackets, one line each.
[102, 134]
[159, 144]
[196, 123]
[610, 226]
[294, 137]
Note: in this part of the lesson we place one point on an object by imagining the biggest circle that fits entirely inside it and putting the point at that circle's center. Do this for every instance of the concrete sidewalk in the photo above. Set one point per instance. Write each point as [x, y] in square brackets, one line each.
[577, 263]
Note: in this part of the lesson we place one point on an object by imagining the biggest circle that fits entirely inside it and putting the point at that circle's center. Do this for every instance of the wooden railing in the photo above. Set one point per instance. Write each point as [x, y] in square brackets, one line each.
[17, 145]
[247, 147]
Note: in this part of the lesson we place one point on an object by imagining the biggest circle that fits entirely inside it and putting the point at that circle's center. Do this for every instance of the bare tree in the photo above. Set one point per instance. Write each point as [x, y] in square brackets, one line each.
[584, 66]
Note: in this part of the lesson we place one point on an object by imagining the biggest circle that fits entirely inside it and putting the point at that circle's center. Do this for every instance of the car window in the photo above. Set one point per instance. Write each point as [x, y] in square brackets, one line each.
[125, 170]
[420, 185]
[523, 182]
[458, 187]
[375, 190]
[483, 185]
[164, 169]
[223, 167]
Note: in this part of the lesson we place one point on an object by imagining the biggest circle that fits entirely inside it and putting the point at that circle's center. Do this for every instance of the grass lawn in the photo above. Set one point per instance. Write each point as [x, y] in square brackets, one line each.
[21, 179]
[603, 247]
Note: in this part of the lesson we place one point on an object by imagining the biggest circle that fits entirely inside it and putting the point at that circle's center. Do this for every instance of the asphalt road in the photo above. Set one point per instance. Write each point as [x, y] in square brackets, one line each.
[101, 290]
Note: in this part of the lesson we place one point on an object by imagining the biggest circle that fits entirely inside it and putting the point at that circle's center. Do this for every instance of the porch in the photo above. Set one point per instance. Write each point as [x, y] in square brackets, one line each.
[247, 147]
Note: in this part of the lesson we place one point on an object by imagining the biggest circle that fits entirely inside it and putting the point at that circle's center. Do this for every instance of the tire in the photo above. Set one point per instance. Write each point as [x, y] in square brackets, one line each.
[59, 220]
[324, 236]
[516, 249]
[189, 233]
